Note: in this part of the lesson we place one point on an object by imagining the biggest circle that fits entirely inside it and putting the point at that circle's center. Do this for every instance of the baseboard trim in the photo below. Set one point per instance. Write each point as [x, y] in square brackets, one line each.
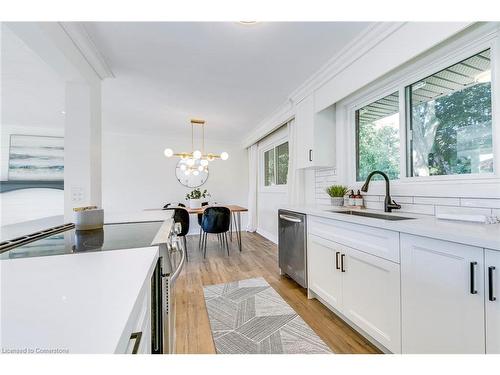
[271, 237]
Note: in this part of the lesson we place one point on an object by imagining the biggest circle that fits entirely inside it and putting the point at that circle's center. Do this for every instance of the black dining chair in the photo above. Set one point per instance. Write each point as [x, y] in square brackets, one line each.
[199, 223]
[215, 220]
[181, 215]
[169, 204]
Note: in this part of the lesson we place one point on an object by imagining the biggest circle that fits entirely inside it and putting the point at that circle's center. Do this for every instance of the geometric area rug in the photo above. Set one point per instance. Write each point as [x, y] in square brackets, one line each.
[250, 317]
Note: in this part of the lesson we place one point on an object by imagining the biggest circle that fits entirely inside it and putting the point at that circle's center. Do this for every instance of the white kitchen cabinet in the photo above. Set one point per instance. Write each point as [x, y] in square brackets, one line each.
[315, 135]
[363, 287]
[442, 293]
[322, 259]
[371, 296]
[136, 338]
[492, 303]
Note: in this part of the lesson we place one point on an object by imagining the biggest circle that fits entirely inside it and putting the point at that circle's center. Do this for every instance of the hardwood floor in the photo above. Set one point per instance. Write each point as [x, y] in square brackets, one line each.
[258, 258]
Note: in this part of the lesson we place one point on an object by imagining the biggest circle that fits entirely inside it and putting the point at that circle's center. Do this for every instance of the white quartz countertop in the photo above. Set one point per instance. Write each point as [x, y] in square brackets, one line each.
[474, 234]
[76, 303]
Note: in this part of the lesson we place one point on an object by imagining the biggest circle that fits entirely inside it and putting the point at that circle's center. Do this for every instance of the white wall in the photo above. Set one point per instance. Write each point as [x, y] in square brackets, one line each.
[136, 175]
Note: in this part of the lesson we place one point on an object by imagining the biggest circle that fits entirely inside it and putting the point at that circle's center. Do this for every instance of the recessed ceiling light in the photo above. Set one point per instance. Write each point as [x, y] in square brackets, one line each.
[248, 22]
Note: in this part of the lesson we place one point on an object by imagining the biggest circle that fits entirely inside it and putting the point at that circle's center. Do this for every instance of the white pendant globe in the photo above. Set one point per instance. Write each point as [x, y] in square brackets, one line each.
[190, 162]
[183, 167]
[197, 154]
[204, 162]
[168, 152]
[196, 173]
[224, 156]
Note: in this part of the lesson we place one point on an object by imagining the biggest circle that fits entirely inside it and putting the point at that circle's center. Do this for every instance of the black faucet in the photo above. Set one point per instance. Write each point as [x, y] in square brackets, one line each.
[389, 204]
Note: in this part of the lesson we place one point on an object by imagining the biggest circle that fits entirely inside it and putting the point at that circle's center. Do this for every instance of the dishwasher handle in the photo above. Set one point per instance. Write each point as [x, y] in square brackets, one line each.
[290, 218]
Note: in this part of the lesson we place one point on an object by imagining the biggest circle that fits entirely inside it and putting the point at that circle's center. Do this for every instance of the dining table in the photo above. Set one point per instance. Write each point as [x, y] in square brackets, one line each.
[235, 217]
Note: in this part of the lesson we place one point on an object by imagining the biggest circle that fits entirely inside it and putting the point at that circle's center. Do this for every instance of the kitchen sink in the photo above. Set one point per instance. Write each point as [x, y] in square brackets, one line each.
[373, 215]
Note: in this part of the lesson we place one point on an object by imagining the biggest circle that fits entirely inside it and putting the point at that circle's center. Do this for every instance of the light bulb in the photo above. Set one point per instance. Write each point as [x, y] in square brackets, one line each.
[187, 172]
[204, 162]
[200, 168]
[183, 167]
[224, 156]
[197, 154]
[168, 152]
[190, 162]
[196, 173]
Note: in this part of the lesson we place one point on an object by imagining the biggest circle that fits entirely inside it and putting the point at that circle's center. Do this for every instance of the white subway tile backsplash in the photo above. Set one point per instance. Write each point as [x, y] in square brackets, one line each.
[480, 202]
[422, 209]
[462, 210]
[400, 199]
[420, 205]
[371, 198]
[437, 201]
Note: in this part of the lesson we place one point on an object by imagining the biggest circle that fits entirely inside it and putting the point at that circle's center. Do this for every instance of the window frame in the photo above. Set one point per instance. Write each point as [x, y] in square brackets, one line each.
[431, 63]
[356, 130]
[263, 148]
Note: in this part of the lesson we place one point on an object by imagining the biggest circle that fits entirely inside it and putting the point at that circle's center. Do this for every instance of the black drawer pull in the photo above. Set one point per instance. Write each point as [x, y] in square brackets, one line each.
[310, 155]
[337, 260]
[342, 262]
[473, 277]
[491, 294]
[137, 337]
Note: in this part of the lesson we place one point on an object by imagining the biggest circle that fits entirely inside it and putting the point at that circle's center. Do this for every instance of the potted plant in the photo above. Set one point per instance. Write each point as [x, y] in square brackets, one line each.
[195, 197]
[336, 193]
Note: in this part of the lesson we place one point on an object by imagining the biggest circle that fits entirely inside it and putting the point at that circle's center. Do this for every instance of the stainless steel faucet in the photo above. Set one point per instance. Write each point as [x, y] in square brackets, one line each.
[389, 204]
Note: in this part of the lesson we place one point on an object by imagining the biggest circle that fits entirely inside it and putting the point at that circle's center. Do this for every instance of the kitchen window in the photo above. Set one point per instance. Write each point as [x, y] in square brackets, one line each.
[276, 165]
[449, 120]
[377, 138]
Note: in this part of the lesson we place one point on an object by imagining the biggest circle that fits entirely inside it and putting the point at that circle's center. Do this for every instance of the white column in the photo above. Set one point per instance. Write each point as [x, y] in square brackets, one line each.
[82, 147]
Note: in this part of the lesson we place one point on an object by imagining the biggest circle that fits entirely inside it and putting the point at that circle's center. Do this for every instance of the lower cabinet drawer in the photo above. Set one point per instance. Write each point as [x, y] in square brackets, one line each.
[379, 242]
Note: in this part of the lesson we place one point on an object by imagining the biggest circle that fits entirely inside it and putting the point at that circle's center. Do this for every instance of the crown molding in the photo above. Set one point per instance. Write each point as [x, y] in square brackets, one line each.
[368, 39]
[81, 39]
[280, 116]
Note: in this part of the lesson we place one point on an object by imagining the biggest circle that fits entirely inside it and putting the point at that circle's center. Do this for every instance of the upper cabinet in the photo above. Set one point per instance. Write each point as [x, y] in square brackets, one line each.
[315, 134]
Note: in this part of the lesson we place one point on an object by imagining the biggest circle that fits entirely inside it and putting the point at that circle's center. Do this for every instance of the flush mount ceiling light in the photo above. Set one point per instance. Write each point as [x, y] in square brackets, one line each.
[248, 22]
[197, 159]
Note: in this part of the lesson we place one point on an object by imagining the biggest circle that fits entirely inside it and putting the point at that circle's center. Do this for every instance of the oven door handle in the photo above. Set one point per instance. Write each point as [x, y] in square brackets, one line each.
[181, 264]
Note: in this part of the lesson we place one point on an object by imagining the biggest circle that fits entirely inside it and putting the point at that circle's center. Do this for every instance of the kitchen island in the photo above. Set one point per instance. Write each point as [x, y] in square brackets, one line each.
[82, 303]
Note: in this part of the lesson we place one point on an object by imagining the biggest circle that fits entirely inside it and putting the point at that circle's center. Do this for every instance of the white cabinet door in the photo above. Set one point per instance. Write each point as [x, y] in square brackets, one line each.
[304, 123]
[323, 264]
[492, 274]
[442, 292]
[371, 296]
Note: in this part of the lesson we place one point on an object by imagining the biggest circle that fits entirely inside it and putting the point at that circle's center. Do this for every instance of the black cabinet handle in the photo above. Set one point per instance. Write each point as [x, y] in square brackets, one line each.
[337, 260]
[473, 277]
[310, 155]
[342, 262]
[491, 294]
[137, 336]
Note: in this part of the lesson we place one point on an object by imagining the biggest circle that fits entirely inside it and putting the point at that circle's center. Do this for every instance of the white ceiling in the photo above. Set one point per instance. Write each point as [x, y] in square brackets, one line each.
[230, 74]
[32, 94]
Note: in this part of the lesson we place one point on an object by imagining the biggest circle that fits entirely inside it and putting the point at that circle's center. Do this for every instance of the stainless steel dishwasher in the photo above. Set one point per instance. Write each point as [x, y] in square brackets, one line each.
[292, 245]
